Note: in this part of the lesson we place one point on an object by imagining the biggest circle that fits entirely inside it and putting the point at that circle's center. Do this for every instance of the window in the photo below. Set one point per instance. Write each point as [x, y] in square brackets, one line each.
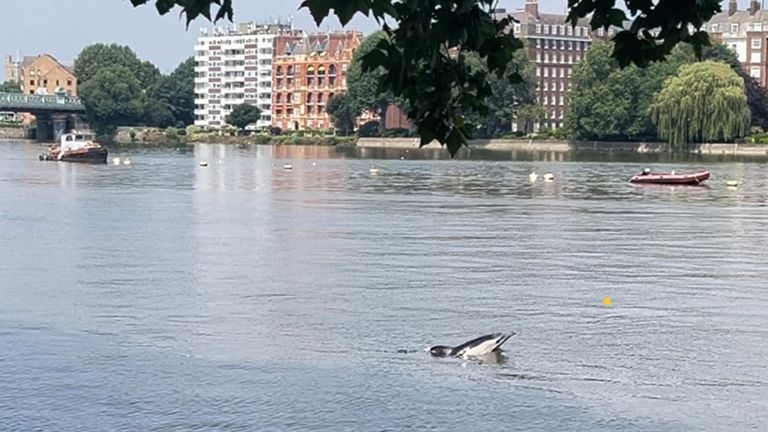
[546, 28]
[734, 28]
[546, 85]
[538, 28]
[538, 56]
[562, 72]
[756, 43]
[569, 30]
[546, 72]
[755, 72]
[517, 28]
[31, 82]
[754, 57]
[715, 28]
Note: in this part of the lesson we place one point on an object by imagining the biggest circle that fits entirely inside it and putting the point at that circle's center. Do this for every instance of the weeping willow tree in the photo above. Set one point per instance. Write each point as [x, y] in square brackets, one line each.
[704, 102]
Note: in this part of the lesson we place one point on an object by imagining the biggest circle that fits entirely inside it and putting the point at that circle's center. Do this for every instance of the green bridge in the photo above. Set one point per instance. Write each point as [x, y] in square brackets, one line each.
[53, 114]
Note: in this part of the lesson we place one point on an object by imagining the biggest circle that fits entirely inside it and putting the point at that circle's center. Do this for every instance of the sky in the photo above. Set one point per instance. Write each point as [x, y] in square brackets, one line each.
[32, 27]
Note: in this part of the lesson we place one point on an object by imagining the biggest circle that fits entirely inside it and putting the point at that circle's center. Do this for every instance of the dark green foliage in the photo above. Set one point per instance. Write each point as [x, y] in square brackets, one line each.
[110, 99]
[703, 102]
[10, 87]
[608, 102]
[173, 94]
[369, 129]
[243, 115]
[343, 112]
[96, 57]
[437, 88]
[162, 101]
[507, 99]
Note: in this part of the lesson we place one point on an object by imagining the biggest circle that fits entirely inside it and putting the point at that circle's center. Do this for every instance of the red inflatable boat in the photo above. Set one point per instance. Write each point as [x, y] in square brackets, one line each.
[692, 178]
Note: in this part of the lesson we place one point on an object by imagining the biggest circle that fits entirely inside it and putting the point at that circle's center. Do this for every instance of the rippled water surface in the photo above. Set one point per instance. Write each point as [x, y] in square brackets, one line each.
[241, 296]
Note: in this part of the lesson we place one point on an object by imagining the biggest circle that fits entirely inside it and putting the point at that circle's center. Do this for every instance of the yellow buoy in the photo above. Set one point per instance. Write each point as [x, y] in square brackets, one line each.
[607, 301]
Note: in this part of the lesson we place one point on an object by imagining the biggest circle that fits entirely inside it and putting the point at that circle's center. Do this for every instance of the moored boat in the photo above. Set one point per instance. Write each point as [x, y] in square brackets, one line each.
[76, 147]
[672, 178]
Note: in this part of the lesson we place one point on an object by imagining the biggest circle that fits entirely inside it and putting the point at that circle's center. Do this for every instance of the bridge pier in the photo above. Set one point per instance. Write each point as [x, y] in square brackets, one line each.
[59, 122]
[44, 127]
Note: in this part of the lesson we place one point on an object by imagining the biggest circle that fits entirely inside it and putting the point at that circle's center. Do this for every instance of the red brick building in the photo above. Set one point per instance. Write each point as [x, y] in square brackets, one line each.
[307, 71]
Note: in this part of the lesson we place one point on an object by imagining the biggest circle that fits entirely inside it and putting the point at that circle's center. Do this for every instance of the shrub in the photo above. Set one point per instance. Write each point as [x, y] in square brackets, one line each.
[397, 133]
[274, 130]
[171, 133]
[369, 129]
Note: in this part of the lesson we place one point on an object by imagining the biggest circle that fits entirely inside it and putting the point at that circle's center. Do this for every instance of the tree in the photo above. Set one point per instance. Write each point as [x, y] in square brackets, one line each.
[757, 96]
[96, 57]
[110, 99]
[173, 96]
[422, 34]
[242, 115]
[363, 86]
[529, 114]
[507, 99]
[10, 87]
[608, 102]
[343, 112]
[704, 102]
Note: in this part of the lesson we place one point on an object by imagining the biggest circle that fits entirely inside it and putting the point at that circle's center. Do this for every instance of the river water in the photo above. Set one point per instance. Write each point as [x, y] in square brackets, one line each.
[241, 296]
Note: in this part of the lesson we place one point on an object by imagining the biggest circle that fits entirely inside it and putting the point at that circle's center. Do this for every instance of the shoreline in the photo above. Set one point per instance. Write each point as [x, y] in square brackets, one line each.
[566, 146]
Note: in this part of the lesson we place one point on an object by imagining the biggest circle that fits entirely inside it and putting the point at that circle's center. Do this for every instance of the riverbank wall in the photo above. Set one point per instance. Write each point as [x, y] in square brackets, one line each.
[14, 133]
[571, 146]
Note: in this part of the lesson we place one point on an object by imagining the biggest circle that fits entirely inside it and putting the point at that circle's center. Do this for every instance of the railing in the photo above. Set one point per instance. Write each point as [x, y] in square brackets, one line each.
[39, 101]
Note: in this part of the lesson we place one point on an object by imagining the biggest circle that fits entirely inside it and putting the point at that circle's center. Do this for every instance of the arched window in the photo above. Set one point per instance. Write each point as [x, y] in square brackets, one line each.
[279, 98]
[321, 70]
[319, 98]
[279, 70]
[309, 98]
[332, 70]
[289, 98]
[290, 70]
[310, 70]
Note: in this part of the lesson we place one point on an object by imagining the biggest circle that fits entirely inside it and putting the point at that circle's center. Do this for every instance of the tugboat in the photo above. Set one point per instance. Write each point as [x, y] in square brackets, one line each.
[76, 147]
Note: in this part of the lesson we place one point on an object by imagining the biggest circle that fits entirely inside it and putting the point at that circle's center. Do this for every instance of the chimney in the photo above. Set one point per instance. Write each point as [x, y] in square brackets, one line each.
[754, 6]
[532, 7]
[732, 7]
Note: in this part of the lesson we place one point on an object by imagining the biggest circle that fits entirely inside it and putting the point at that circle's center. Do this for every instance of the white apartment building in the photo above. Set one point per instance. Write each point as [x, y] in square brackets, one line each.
[232, 67]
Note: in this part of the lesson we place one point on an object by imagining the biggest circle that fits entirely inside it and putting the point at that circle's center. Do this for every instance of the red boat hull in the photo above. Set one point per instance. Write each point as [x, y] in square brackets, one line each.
[670, 178]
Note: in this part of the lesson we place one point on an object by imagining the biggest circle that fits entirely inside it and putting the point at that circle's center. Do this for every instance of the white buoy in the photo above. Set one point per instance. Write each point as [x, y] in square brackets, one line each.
[287, 167]
[373, 170]
[116, 161]
[533, 177]
[126, 161]
[732, 183]
[549, 177]
[314, 164]
[203, 163]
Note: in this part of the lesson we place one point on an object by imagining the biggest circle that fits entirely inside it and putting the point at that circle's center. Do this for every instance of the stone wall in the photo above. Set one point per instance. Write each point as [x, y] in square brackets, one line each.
[14, 133]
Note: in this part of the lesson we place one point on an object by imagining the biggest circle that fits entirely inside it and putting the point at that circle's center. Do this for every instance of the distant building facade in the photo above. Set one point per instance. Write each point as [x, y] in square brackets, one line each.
[307, 71]
[13, 70]
[745, 32]
[43, 75]
[233, 67]
[555, 47]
